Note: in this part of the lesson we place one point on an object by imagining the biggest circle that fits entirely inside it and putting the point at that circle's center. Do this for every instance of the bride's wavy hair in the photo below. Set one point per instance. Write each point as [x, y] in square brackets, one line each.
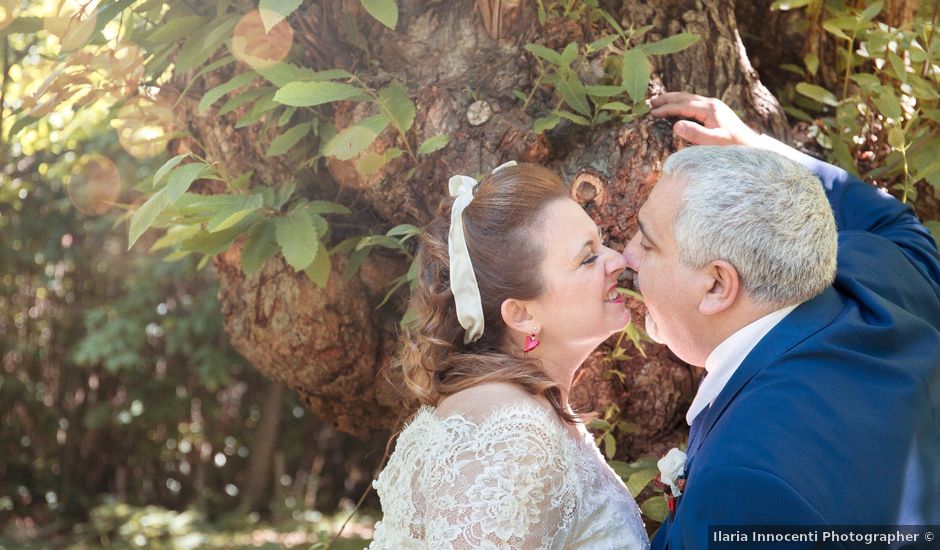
[501, 227]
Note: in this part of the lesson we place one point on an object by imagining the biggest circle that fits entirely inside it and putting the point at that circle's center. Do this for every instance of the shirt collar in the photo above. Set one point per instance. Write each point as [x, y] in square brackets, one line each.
[725, 359]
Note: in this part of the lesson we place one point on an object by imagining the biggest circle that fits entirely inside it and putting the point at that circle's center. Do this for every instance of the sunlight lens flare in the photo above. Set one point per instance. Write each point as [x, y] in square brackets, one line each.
[144, 127]
[259, 49]
[94, 185]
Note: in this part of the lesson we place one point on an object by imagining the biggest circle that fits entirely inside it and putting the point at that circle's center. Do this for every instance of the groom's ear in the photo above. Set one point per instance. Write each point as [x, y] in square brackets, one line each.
[516, 315]
[722, 285]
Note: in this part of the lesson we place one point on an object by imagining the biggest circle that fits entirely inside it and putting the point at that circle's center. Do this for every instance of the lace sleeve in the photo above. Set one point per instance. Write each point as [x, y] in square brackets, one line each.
[507, 484]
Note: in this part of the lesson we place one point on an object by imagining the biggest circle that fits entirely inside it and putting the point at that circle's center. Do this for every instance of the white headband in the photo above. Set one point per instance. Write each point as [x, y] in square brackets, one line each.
[463, 281]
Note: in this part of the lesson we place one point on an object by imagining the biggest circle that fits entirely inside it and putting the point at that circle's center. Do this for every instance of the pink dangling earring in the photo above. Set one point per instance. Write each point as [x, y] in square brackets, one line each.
[531, 342]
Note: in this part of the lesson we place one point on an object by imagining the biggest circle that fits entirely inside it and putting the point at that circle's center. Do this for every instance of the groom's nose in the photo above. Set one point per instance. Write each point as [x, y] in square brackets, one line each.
[632, 252]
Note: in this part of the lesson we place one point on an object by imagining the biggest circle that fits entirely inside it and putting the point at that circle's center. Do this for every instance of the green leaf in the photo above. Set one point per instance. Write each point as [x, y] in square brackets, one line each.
[888, 104]
[833, 29]
[635, 73]
[275, 11]
[211, 244]
[546, 123]
[240, 207]
[319, 269]
[604, 91]
[577, 119]
[545, 53]
[288, 139]
[397, 105]
[638, 481]
[174, 235]
[616, 106]
[246, 96]
[165, 169]
[817, 93]
[308, 94]
[673, 44]
[811, 61]
[260, 247]
[784, 5]
[370, 163]
[405, 230]
[896, 138]
[179, 181]
[355, 139]
[602, 43]
[432, 144]
[284, 73]
[216, 93]
[283, 194]
[572, 92]
[385, 11]
[174, 28]
[326, 207]
[655, 508]
[610, 446]
[871, 11]
[297, 236]
[569, 54]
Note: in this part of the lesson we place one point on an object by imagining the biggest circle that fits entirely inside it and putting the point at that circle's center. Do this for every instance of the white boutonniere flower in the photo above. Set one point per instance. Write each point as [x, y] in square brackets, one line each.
[671, 468]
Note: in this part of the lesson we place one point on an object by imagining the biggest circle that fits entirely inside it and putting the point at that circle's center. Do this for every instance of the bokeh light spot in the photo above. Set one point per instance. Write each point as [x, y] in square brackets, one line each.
[144, 127]
[259, 49]
[94, 185]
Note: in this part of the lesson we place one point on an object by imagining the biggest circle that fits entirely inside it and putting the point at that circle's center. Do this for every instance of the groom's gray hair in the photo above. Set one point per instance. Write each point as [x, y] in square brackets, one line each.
[766, 215]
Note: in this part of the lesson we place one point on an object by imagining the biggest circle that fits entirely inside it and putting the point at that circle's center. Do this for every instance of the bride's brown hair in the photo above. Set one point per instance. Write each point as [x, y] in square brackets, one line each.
[501, 227]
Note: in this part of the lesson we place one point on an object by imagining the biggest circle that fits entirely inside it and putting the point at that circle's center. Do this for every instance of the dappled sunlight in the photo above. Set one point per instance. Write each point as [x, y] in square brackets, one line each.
[258, 48]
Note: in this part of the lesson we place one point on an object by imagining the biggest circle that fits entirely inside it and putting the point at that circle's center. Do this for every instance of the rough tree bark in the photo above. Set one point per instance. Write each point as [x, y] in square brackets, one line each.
[330, 344]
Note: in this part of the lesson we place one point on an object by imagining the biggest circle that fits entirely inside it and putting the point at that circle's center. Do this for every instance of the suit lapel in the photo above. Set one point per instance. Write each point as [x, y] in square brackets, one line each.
[804, 321]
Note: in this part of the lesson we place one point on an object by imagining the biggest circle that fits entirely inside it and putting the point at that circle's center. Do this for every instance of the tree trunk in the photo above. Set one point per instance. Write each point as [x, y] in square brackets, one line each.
[260, 463]
[330, 344]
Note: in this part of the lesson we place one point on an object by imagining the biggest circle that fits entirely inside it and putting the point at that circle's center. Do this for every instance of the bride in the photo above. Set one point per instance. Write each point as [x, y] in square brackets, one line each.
[515, 289]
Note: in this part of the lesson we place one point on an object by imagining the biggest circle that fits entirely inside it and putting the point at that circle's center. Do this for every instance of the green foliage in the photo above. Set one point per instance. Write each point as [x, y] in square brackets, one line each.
[888, 104]
[619, 93]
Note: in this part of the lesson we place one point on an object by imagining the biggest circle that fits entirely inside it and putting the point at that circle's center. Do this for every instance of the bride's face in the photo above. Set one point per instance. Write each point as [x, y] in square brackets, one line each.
[578, 307]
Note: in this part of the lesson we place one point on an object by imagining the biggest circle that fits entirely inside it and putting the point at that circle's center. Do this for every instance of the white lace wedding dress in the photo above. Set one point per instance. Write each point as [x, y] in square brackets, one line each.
[513, 478]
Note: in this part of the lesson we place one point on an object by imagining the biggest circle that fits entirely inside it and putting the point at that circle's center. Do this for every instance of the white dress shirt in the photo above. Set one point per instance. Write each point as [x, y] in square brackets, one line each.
[725, 359]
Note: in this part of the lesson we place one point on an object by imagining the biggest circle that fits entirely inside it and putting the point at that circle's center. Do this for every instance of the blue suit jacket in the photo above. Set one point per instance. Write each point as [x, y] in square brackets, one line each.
[834, 417]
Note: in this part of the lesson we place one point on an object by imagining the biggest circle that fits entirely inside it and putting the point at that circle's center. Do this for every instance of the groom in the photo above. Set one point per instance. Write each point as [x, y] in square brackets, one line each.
[815, 311]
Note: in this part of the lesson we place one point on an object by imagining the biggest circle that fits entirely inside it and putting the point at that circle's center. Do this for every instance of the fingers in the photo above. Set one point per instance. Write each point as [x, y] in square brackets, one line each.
[673, 97]
[700, 135]
[682, 105]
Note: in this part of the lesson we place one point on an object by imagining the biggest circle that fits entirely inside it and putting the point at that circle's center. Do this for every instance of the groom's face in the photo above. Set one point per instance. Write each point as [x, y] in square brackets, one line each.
[671, 291]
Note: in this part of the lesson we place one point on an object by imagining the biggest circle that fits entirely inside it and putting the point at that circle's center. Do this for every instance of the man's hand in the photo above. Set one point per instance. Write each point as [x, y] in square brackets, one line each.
[719, 125]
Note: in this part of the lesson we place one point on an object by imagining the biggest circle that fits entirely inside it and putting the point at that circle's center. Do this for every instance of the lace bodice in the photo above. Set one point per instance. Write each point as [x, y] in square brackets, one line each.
[513, 479]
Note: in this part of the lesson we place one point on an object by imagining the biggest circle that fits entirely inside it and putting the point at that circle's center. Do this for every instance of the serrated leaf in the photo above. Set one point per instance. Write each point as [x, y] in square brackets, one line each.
[319, 270]
[275, 11]
[817, 93]
[238, 210]
[355, 139]
[384, 11]
[545, 53]
[635, 74]
[434, 143]
[397, 105]
[572, 92]
[288, 139]
[673, 44]
[297, 236]
[639, 480]
[284, 73]
[211, 244]
[217, 92]
[309, 94]
[283, 194]
[260, 247]
[165, 169]
[179, 181]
